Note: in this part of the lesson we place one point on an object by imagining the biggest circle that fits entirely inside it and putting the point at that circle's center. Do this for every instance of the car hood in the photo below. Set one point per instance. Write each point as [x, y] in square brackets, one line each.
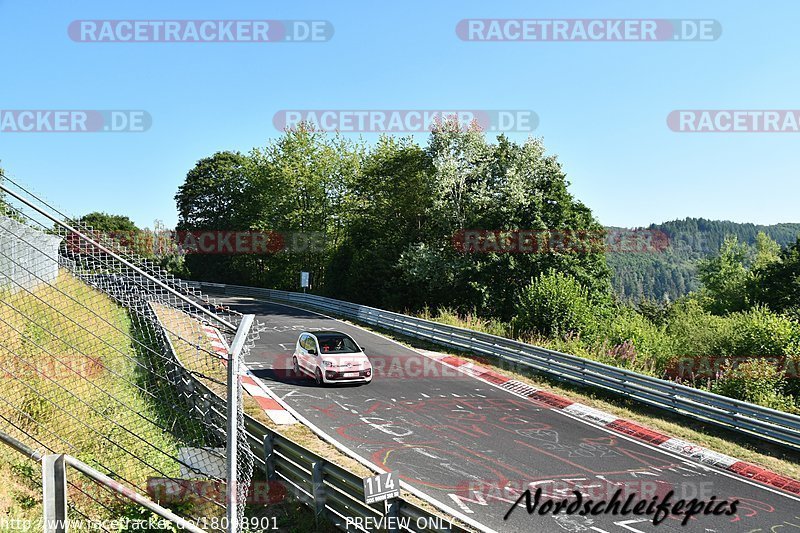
[348, 360]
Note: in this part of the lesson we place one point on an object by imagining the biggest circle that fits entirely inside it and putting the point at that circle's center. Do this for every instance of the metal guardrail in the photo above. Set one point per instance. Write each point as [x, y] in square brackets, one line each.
[747, 418]
[327, 488]
[334, 491]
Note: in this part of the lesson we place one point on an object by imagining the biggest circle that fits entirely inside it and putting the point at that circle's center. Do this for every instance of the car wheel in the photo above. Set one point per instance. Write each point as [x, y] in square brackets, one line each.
[295, 366]
[318, 377]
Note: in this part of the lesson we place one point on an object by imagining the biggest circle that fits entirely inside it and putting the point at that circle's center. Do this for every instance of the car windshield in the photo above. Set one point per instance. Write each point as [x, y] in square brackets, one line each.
[337, 344]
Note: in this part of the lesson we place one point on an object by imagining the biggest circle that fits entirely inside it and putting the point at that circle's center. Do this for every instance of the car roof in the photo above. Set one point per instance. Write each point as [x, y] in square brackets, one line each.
[325, 332]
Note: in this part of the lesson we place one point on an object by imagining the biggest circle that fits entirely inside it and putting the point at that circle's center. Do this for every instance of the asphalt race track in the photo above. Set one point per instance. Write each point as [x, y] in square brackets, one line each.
[462, 441]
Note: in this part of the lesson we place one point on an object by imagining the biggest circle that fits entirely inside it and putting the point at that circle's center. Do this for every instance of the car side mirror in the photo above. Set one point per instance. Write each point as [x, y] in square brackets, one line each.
[312, 351]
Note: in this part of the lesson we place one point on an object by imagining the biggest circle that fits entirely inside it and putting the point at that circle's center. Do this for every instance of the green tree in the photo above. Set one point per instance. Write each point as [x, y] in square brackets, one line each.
[384, 218]
[119, 229]
[673, 270]
[755, 380]
[505, 186]
[214, 197]
[725, 278]
[299, 184]
[213, 193]
[386, 210]
[777, 284]
[767, 252]
[458, 175]
[107, 223]
[6, 209]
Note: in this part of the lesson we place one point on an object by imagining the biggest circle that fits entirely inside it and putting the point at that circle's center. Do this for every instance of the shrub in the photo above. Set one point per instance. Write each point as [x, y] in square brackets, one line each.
[757, 381]
[637, 342]
[760, 332]
[696, 332]
[446, 315]
[571, 344]
[554, 305]
[655, 311]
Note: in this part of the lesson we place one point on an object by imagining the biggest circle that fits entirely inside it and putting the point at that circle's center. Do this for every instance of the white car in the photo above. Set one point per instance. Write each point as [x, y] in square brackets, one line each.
[331, 357]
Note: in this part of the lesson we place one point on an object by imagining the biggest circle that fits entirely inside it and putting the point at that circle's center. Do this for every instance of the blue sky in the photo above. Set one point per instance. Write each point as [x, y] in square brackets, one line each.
[602, 106]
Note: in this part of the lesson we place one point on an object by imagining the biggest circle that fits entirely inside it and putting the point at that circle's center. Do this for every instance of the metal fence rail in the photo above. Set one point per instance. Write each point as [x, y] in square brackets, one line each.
[55, 489]
[747, 418]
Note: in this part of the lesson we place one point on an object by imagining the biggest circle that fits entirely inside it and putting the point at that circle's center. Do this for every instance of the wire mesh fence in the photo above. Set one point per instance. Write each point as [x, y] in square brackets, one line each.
[99, 350]
[29, 267]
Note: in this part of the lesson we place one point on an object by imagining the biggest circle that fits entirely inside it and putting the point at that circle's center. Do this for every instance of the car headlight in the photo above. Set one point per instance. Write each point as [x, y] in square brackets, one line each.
[327, 363]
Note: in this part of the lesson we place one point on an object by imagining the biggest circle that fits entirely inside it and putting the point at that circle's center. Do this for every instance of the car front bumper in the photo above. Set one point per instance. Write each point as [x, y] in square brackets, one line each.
[347, 376]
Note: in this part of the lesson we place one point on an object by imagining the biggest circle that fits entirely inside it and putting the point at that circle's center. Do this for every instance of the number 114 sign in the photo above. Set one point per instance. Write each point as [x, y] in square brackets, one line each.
[381, 487]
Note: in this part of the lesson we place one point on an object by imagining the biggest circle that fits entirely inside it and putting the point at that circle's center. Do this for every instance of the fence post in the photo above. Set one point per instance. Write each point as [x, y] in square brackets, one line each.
[233, 410]
[54, 488]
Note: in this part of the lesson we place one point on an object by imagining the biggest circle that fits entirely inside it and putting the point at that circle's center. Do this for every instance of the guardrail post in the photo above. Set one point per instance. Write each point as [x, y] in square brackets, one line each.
[205, 403]
[269, 455]
[392, 513]
[318, 486]
[54, 488]
[673, 397]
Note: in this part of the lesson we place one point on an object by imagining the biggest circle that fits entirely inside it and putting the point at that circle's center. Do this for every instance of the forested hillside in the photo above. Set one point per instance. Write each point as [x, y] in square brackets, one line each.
[673, 272]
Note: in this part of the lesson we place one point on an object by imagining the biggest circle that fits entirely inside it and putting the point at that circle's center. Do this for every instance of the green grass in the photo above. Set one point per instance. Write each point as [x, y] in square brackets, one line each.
[48, 400]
